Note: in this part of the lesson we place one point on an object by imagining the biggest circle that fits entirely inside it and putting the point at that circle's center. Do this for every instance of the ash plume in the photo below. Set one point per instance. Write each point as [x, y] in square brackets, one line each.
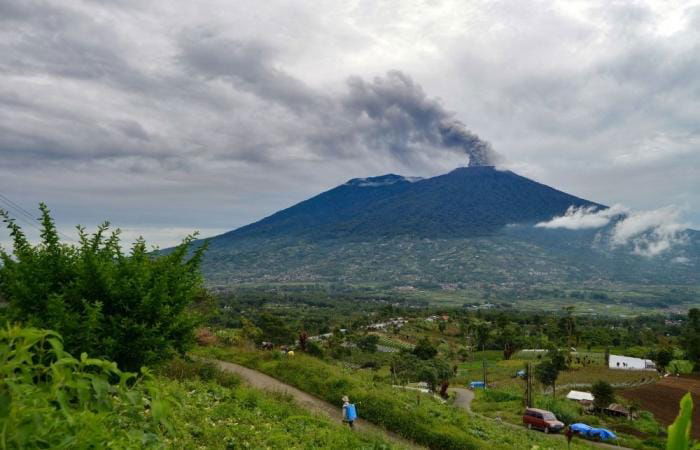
[396, 114]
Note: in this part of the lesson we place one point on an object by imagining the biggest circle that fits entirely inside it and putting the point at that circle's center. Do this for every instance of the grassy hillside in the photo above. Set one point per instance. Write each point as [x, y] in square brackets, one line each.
[415, 416]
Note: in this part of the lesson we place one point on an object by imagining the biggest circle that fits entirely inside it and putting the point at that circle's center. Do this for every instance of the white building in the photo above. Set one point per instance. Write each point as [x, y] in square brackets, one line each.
[629, 363]
[580, 396]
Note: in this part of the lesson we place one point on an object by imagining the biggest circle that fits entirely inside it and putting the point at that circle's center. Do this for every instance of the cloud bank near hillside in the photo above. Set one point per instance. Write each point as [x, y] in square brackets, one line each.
[649, 233]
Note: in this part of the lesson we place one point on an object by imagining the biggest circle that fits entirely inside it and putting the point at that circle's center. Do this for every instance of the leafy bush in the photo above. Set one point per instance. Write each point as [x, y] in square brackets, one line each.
[603, 394]
[180, 369]
[50, 399]
[131, 309]
[679, 430]
[565, 410]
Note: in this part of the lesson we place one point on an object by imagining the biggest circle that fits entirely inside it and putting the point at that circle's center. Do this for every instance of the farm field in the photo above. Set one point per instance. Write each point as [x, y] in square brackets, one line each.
[661, 398]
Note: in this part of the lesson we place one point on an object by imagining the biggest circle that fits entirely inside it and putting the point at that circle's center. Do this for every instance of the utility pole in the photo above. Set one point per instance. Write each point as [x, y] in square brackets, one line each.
[484, 366]
[529, 384]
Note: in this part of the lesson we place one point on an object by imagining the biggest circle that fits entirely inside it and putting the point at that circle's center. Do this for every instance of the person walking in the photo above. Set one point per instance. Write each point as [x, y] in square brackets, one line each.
[349, 412]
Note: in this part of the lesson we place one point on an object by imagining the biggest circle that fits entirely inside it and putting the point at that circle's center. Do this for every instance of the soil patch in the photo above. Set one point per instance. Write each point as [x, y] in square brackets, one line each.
[662, 399]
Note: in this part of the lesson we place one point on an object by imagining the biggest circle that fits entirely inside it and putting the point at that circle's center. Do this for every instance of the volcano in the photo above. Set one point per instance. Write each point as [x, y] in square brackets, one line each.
[474, 224]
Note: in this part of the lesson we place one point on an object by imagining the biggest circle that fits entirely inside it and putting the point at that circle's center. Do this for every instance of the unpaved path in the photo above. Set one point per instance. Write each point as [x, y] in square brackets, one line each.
[265, 382]
[464, 400]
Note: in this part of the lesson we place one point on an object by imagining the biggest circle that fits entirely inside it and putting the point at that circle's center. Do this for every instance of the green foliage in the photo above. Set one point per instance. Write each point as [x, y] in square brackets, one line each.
[49, 399]
[131, 309]
[603, 394]
[680, 366]
[275, 329]
[181, 369]
[565, 410]
[218, 417]
[547, 373]
[368, 343]
[691, 337]
[392, 408]
[679, 430]
[662, 358]
[424, 349]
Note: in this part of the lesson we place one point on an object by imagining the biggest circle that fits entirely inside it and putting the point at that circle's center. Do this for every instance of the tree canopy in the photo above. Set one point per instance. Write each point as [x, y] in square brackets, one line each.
[130, 308]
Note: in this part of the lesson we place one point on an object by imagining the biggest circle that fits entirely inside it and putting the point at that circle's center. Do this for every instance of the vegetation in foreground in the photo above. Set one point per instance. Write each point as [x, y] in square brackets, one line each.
[49, 399]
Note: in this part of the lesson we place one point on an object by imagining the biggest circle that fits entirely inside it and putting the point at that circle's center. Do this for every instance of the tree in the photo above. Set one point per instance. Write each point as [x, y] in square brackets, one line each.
[275, 329]
[435, 372]
[424, 349]
[303, 339]
[603, 394]
[558, 358]
[482, 330]
[662, 359]
[509, 337]
[131, 308]
[368, 343]
[691, 337]
[547, 373]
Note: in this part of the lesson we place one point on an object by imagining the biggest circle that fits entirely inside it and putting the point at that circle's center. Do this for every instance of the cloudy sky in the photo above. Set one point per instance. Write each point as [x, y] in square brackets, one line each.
[166, 117]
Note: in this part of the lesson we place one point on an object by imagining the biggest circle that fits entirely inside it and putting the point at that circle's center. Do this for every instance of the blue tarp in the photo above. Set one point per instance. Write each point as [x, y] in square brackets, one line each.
[476, 385]
[589, 431]
[602, 433]
[580, 428]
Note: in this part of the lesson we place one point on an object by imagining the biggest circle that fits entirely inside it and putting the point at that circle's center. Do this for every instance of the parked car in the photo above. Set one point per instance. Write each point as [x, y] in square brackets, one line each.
[542, 419]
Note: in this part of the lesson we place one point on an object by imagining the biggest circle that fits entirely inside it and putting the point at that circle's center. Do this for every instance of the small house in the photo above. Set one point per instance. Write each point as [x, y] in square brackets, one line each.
[581, 397]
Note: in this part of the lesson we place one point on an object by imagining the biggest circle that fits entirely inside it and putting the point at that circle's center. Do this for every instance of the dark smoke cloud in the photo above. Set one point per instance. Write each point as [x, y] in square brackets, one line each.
[402, 117]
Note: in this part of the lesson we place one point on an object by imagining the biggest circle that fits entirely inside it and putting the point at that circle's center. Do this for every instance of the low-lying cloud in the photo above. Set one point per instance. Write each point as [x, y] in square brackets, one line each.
[647, 233]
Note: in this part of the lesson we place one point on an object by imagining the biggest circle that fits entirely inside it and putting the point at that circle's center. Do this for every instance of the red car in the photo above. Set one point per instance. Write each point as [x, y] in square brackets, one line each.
[541, 419]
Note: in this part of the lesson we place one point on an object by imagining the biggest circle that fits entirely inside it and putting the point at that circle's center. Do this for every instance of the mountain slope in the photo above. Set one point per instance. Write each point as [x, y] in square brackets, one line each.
[465, 202]
[471, 225]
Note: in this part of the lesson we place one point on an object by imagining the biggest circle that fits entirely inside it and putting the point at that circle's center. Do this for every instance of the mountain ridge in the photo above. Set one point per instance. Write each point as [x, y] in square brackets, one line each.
[472, 225]
[467, 201]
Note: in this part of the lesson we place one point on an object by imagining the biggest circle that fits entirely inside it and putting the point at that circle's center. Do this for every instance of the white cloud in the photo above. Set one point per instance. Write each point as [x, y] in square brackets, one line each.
[649, 233]
[584, 218]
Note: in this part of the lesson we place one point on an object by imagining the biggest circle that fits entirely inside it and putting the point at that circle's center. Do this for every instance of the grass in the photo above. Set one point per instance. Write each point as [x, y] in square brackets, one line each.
[506, 404]
[416, 417]
[211, 415]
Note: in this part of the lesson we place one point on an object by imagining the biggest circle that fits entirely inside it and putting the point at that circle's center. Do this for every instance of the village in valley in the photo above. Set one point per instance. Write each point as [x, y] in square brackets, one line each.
[612, 379]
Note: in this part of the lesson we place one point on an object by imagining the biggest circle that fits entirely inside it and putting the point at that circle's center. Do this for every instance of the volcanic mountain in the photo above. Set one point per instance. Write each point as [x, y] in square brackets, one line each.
[474, 224]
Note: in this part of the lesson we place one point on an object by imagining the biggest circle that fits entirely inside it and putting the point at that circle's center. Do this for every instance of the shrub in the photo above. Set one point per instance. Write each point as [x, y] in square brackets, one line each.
[603, 394]
[131, 309]
[181, 369]
[50, 399]
[565, 410]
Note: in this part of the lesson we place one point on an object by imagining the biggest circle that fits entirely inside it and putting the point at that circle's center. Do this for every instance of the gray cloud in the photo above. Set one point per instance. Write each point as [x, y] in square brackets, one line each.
[213, 115]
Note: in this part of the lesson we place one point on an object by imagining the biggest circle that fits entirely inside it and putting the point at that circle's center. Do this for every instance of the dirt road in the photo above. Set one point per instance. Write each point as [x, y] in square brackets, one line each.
[265, 382]
[464, 398]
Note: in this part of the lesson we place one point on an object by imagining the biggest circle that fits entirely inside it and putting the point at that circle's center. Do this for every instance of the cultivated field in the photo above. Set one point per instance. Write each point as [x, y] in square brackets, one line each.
[662, 398]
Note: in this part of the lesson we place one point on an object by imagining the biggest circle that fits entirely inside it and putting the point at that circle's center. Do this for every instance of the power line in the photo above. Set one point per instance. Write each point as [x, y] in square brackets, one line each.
[18, 207]
[26, 217]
